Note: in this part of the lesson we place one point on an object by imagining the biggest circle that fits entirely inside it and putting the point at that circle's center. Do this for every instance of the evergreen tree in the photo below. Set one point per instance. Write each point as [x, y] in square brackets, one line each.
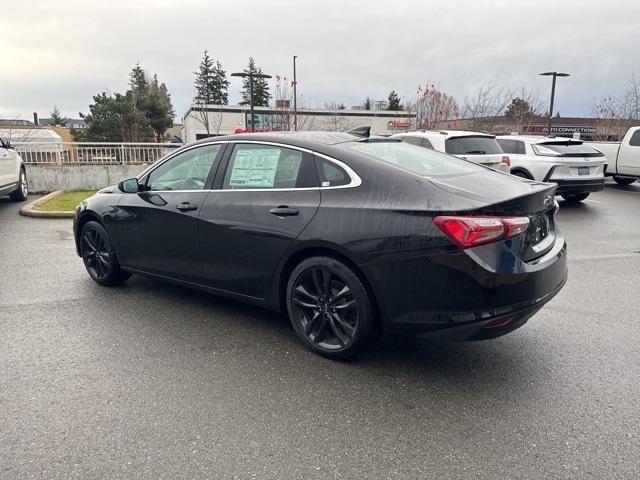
[142, 114]
[261, 95]
[138, 83]
[394, 101]
[211, 83]
[518, 108]
[368, 104]
[56, 118]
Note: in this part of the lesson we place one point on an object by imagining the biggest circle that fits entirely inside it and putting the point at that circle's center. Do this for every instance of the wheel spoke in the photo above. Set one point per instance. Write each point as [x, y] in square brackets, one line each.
[316, 275]
[326, 283]
[311, 323]
[300, 289]
[323, 326]
[340, 336]
[340, 295]
[89, 241]
[303, 304]
[348, 329]
[344, 306]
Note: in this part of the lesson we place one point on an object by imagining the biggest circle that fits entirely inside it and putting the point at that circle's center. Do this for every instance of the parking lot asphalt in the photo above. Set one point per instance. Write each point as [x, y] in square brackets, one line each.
[150, 380]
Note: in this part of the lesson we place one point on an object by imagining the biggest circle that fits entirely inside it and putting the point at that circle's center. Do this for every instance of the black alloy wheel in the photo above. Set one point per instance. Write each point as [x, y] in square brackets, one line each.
[330, 308]
[99, 256]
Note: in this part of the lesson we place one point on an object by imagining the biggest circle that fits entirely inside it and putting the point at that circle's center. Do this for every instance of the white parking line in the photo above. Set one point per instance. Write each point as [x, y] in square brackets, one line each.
[592, 201]
[623, 191]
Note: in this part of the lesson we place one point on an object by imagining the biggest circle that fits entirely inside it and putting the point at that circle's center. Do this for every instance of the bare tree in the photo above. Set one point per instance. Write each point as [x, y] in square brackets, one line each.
[481, 109]
[609, 124]
[334, 121]
[630, 101]
[283, 99]
[433, 107]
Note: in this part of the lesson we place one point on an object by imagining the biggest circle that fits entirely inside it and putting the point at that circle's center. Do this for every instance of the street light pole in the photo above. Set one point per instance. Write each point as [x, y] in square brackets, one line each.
[553, 93]
[295, 96]
[251, 76]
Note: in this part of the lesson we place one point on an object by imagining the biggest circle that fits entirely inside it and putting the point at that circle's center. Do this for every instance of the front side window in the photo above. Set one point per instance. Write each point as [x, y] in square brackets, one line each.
[472, 146]
[419, 160]
[266, 166]
[186, 171]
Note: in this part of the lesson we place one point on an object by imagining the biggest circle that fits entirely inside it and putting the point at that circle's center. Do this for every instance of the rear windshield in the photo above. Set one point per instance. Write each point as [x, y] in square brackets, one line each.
[420, 160]
[472, 146]
[573, 149]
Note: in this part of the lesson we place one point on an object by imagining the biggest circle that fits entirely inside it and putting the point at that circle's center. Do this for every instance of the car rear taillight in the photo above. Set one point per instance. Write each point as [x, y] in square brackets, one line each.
[467, 232]
[506, 160]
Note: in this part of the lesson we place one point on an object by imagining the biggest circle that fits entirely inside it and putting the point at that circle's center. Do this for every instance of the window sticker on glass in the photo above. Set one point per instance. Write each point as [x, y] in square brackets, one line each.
[255, 168]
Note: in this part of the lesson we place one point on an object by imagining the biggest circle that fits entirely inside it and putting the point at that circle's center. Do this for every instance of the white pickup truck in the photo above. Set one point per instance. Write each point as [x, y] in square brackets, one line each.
[623, 158]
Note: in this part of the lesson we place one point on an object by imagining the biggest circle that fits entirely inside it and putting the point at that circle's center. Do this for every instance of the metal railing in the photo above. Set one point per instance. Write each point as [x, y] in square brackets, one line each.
[89, 153]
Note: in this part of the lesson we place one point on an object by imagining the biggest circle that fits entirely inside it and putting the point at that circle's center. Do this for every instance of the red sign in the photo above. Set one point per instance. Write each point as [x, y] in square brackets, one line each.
[402, 124]
[246, 130]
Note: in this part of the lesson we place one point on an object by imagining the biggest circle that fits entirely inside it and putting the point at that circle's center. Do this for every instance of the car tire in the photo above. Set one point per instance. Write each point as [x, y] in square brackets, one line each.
[575, 197]
[623, 180]
[330, 308]
[99, 256]
[521, 174]
[21, 193]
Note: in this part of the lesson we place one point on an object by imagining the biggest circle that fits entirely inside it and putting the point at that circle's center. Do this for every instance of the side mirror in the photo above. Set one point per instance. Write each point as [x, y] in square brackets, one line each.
[130, 185]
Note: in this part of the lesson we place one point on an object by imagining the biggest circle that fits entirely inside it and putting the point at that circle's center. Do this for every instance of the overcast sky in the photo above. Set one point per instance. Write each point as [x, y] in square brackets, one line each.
[63, 52]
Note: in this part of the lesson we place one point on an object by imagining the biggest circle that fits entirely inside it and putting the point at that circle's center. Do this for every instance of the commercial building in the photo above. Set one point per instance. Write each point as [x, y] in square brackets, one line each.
[212, 120]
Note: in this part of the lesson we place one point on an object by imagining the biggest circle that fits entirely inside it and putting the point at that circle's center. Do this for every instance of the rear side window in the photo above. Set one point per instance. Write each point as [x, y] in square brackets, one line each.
[572, 149]
[267, 166]
[421, 142]
[515, 147]
[635, 139]
[419, 160]
[331, 175]
[472, 146]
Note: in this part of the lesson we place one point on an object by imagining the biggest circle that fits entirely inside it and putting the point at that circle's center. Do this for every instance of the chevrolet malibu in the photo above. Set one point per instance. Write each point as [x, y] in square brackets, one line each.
[350, 235]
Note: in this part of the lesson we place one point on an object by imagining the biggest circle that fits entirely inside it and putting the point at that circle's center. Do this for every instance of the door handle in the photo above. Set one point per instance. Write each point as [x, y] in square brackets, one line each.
[186, 206]
[284, 211]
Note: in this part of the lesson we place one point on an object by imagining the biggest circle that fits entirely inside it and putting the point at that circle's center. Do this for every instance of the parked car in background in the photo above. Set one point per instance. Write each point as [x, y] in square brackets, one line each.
[577, 168]
[481, 148]
[351, 236]
[623, 158]
[13, 175]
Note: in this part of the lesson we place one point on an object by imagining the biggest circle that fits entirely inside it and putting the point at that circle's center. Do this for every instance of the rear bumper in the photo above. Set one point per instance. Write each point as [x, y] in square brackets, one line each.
[578, 186]
[459, 296]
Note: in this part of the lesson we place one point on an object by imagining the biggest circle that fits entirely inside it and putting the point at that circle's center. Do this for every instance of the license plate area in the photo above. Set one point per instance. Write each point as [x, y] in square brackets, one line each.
[583, 170]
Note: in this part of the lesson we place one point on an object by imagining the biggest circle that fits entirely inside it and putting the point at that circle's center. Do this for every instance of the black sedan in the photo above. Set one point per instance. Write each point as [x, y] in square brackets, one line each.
[350, 235]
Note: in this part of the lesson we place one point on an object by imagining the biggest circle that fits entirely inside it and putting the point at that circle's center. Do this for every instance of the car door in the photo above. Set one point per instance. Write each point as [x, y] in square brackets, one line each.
[157, 228]
[264, 198]
[629, 156]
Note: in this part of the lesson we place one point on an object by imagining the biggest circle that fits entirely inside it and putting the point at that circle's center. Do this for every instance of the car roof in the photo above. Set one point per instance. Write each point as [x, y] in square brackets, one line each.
[307, 139]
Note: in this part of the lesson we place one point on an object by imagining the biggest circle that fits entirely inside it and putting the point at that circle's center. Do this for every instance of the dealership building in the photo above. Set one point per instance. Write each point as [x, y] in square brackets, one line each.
[229, 119]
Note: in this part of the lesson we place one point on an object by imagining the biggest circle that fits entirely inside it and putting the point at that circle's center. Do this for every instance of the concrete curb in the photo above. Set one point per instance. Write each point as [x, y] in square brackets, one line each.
[29, 209]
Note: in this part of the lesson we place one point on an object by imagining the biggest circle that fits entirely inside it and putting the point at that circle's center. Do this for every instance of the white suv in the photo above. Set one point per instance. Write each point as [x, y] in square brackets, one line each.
[577, 168]
[13, 175]
[481, 148]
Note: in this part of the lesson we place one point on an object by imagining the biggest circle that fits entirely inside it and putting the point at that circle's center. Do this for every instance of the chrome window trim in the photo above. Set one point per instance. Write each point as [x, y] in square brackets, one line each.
[356, 181]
